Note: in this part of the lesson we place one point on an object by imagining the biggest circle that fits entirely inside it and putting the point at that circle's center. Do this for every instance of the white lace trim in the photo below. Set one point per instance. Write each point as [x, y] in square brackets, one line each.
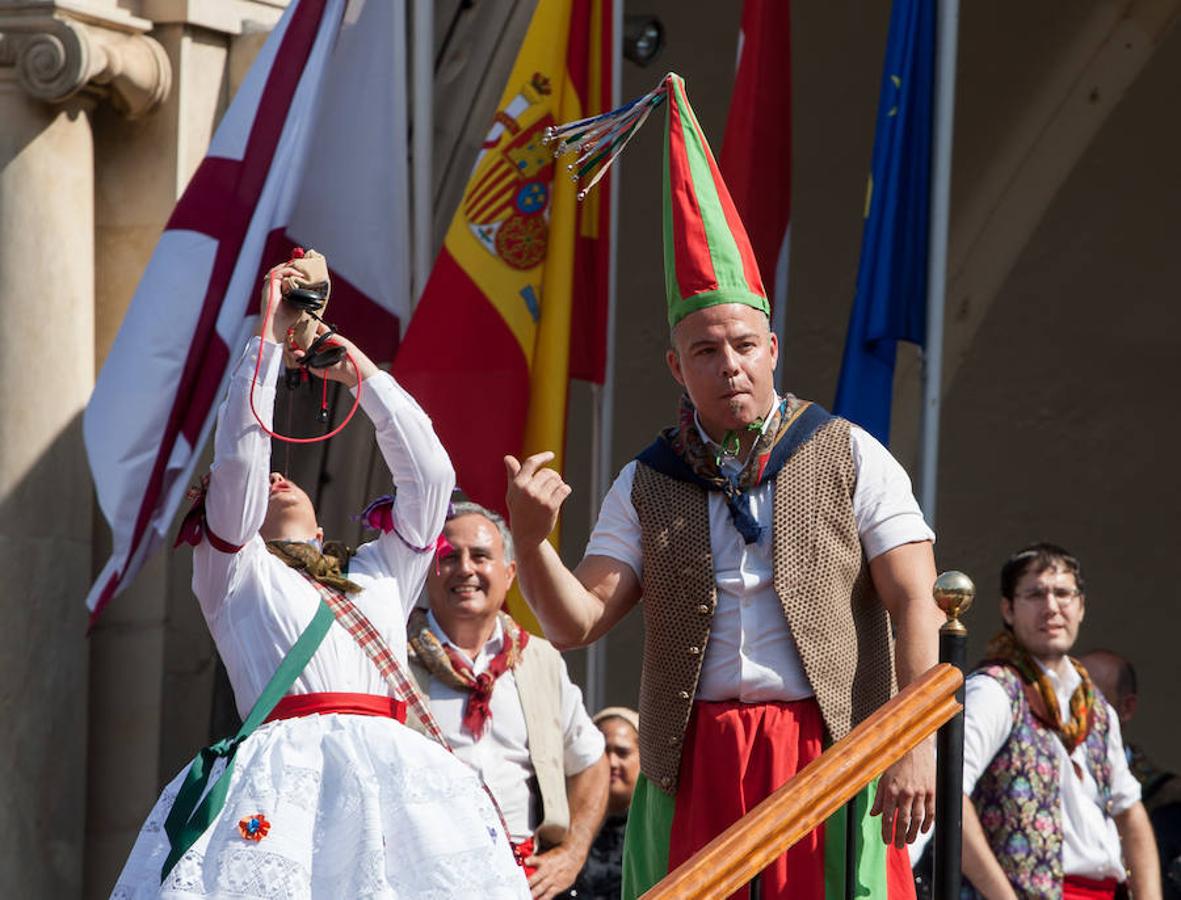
[384, 814]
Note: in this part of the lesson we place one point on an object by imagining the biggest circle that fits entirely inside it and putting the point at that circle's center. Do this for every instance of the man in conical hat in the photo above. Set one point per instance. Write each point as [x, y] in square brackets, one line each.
[776, 548]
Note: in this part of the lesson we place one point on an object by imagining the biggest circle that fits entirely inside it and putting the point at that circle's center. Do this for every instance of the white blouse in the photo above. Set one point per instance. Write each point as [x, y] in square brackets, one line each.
[255, 605]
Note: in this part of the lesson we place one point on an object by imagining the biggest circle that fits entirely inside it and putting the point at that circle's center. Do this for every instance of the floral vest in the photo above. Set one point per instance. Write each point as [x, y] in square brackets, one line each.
[1018, 798]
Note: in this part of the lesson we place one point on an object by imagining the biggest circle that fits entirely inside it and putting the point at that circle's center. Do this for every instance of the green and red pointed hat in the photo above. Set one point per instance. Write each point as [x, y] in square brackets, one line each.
[708, 258]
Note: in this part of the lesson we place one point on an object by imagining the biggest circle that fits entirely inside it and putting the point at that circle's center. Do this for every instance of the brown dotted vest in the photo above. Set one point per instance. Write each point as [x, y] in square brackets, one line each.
[839, 626]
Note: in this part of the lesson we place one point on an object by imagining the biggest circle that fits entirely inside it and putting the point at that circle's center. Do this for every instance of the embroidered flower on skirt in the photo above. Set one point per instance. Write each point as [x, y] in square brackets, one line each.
[254, 828]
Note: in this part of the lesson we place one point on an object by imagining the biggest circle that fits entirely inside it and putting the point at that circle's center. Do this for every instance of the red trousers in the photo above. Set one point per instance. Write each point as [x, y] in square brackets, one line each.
[735, 755]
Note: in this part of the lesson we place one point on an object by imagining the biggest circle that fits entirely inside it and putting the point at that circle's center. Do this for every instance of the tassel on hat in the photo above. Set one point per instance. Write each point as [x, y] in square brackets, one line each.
[708, 258]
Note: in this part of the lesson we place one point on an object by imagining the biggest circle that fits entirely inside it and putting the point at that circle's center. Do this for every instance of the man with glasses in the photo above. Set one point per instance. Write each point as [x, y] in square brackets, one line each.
[1051, 809]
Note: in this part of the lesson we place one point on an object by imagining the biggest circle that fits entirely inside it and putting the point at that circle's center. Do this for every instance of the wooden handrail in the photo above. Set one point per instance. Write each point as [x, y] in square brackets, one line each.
[748, 846]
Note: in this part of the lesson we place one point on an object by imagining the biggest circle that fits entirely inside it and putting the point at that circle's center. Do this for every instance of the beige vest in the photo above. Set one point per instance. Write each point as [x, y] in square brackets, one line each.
[840, 628]
[538, 677]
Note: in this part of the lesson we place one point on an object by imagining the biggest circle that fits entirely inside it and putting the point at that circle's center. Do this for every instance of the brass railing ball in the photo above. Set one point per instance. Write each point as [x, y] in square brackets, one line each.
[954, 592]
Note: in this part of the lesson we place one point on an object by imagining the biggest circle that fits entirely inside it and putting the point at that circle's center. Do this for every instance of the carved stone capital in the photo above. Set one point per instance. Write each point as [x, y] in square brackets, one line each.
[59, 50]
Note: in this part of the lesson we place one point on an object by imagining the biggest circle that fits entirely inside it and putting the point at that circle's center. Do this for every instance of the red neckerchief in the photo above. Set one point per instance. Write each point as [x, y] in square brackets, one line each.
[477, 711]
[449, 666]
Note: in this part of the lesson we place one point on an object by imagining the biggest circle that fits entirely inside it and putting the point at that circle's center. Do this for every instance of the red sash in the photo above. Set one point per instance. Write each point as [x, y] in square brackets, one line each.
[1074, 887]
[295, 706]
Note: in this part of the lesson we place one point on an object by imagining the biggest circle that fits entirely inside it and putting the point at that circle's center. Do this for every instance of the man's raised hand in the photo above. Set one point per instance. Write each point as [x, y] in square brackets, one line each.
[535, 496]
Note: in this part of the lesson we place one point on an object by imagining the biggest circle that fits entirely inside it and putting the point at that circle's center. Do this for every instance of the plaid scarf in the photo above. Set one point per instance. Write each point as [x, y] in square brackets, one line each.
[701, 464]
[446, 663]
[322, 566]
[1005, 650]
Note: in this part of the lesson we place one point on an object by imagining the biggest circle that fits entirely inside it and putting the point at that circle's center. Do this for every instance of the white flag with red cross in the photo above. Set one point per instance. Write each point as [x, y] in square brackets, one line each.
[311, 152]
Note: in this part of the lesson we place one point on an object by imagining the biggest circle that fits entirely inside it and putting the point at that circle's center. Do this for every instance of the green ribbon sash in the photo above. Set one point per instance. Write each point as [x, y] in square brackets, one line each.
[190, 815]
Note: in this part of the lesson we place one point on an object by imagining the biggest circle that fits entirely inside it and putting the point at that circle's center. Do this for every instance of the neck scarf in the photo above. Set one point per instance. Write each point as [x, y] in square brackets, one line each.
[327, 566]
[448, 665]
[1004, 650]
[681, 453]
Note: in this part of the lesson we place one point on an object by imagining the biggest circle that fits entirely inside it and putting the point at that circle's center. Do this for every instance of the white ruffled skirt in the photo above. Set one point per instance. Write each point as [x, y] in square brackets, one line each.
[358, 806]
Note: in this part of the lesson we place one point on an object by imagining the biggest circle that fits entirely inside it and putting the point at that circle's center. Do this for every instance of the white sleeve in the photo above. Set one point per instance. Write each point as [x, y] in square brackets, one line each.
[1125, 789]
[239, 485]
[239, 479]
[617, 531]
[421, 470]
[582, 740]
[887, 514]
[988, 721]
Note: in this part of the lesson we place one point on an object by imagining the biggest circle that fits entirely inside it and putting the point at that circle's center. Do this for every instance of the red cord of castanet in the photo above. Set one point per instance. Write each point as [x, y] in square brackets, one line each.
[272, 300]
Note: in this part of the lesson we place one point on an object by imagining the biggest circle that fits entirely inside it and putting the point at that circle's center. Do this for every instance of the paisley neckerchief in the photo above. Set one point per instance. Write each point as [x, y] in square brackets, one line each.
[327, 566]
[682, 453]
[1005, 650]
[449, 666]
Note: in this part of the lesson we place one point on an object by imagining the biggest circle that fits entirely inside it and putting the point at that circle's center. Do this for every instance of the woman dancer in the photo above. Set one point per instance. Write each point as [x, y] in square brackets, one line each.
[330, 796]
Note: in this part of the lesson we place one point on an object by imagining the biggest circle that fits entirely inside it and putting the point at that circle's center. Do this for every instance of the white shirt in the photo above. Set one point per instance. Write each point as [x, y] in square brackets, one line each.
[255, 605]
[501, 755]
[750, 655]
[1090, 840]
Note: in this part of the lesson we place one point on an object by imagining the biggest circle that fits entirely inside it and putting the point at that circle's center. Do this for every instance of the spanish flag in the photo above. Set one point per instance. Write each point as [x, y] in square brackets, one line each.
[516, 304]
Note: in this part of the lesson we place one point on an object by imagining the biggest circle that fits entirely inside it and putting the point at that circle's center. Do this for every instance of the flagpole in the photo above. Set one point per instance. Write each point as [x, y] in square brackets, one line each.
[947, 28]
[423, 62]
[603, 395]
[779, 307]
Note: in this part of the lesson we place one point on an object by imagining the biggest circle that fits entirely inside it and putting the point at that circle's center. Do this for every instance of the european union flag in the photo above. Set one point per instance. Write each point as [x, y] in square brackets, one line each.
[892, 279]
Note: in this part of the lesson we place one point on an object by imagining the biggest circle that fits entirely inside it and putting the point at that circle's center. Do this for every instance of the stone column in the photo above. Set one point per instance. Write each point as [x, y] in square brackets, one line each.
[55, 66]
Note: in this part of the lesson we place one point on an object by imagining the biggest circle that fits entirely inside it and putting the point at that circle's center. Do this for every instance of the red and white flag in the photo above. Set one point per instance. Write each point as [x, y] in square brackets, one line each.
[756, 149]
[311, 152]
